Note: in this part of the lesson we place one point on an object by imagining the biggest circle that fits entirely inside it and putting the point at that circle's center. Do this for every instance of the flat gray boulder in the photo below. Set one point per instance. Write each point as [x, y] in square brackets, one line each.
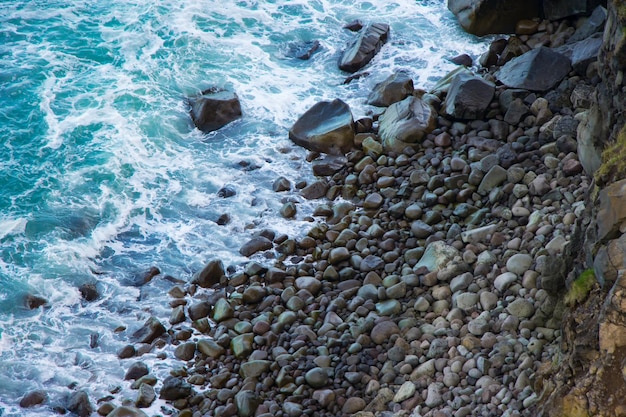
[537, 70]
[364, 47]
[396, 87]
[214, 108]
[405, 123]
[327, 127]
[469, 97]
[560, 9]
[582, 53]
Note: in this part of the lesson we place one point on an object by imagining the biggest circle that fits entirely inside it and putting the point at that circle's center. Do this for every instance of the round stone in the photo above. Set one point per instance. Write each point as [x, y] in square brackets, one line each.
[519, 263]
[353, 405]
[316, 377]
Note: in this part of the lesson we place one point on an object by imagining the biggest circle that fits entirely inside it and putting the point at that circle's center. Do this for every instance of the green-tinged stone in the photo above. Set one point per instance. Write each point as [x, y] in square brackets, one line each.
[388, 307]
[254, 368]
[210, 348]
[241, 345]
[223, 310]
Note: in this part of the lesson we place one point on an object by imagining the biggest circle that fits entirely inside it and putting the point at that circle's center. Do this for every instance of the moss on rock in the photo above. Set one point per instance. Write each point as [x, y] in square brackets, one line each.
[580, 288]
[613, 166]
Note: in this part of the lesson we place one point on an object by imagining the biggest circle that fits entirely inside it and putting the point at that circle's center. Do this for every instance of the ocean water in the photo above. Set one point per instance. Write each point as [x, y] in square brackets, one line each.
[103, 175]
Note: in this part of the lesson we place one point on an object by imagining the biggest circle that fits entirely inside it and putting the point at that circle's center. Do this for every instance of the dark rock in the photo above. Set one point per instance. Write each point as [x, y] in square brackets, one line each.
[594, 24]
[174, 388]
[125, 411]
[364, 47]
[354, 26]
[145, 396]
[463, 59]
[214, 108]
[126, 352]
[516, 112]
[396, 87]
[538, 70]
[79, 404]
[33, 301]
[199, 310]
[185, 351]
[227, 191]
[150, 330]
[482, 17]
[316, 190]
[254, 245]
[89, 291]
[247, 403]
[406, 121]
[136, 371]
[281, 184]
[327, 127]
[560, 9]
[303, 50]
[468, 97]
[223, 220]
[329, 165]
[210, 274]
[33, 399]
[582, 53]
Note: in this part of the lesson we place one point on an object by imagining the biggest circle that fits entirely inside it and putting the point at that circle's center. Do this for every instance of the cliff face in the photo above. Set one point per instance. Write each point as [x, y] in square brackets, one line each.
[587, 374]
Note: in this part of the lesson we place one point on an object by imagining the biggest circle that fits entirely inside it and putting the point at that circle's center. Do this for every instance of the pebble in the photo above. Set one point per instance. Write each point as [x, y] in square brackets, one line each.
[504, 281]
[521, 308]
[519, 263]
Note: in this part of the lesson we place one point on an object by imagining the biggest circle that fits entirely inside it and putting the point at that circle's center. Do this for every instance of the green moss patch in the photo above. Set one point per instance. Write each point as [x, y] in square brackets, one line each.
[613, 166]
[580, 288]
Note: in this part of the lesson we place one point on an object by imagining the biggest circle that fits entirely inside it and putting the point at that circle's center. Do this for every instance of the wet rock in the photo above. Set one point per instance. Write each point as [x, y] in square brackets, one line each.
[210, 348]
[89, 291]
[468, 97]
[125, 411]
[33, 399]
[185, 351]
[145, 396]
[254, 245]
[281, 184]
[254, 368]
[227, 191]
[151, 329]
[214, 108]
[406, 122]
[174, 388]
[210, 275]
[136, 370]
[537, 70]
[396, 87]
[364, 47]
[33, 301]
[329, 165]
[315, 190]
[303, 50]
[79, 404]
[327, 127]
[222, 310]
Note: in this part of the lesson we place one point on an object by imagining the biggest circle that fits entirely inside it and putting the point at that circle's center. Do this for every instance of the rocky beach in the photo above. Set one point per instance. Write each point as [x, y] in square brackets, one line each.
[464, 242]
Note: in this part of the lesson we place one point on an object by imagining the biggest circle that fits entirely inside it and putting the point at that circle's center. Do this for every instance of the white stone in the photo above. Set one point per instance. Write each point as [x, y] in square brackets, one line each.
[503, 281]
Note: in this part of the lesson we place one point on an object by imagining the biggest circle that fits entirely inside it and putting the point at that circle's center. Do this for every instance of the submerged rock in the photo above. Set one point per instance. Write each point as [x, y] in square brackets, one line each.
[33, 399]
[79, 404]
[214, 108]
[174, 388]
[364, 47]
[327, 127]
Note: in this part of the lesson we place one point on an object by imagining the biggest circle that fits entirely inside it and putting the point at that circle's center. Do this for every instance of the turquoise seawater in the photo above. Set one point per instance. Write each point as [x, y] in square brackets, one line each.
[102, 174]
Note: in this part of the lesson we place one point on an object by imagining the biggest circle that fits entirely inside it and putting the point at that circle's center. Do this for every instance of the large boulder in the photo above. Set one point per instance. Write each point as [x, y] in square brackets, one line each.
[582, 53]
[405, 123]
[560, 9]
[125, 411]
[469, 97]
[537, 70]
[210, 275]
[327, 127]
[396, 87]
[364, 47]
[214, 108]
[175, 388]
[482, 17]
[150, 330]
[594, 24]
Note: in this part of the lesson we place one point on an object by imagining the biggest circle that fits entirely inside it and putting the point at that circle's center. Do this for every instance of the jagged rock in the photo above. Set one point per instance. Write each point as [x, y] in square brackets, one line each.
[593, 24]
[468, 97]
[33, 399]
[125, 411]
[364, 47]
[537, 70]
[210, 274]
[89, 291]
[436, 256]
[328, 166]
[315, 190]
[303, 50]
[463, 59]
[79, 404]
[582, 53]
[150, 330]
[560, 9]
[33, 301]
[174, 388]
[254, 245]
[327, 127]
[406, 122]
[396, 87]
[145, 396]
[612, 210]
[482, 17]
[214, 108]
